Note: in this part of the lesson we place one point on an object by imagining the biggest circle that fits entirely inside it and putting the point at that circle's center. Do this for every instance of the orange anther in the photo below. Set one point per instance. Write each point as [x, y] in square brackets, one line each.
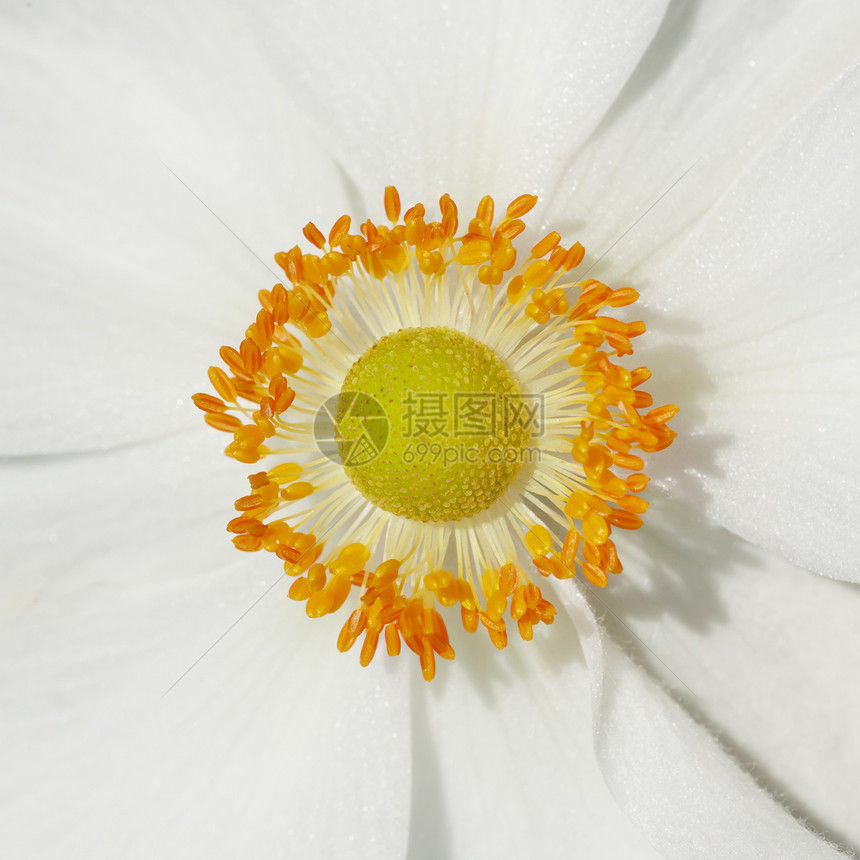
[392, 203]
[537, 313]
[239, 525]
[628, 461]
[233, 360]
[228, 423]
[595, 575]
[533, 595]
[479, 229]
[637, 483]
[466, 594]
[508, 578]
[490, 275]
[428, 662]
[252, 359]
[316, 577]
[313, 235]
[617, 444]
[415, 212]
[624, 519]
[208, 403]
[469, 619]
[577, 506]
[622, 297]
[247, 543]
[249, 436]
[538, 540]
[258, 480]
[516, 289]
[496, 605]
[573, 257]
[279, 294]
[640, 375]
[521, 206]
[335, 264]
[285, 472]
[518, 604]
[315, 325]
[392, 640]
[499, 638]
[289, 360]
[222, 384]
[542, 248]
[415, 230]
[569, 550]
[249, 503]
[661, 414]
[538, 273]
[319, 603]
[504, 253]
[474, 251]
[299, 590]
[547, 566]
[610, 558]
[449, 215]
[579, 449]
[598, 504]
[339, 230]
[368, 649]
[350, 559]
[312, 269]
[595, 528]
[634, 504]
[338, 590]
[580, 355]
[298, 490]
[545, 612]
[557, 256]
[510, 229]
[386, 573]
[557, 301]
[485, 210]
[351, 630]
[394, 258]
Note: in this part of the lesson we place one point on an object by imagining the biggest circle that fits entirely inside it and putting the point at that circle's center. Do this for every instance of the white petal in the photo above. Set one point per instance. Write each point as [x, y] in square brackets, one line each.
[119, 285]
[763, 650]
[467, 98]
[758, 318]
[505, 764]
[273, 742]
[270, 747]
[684, 790]
[717, 82]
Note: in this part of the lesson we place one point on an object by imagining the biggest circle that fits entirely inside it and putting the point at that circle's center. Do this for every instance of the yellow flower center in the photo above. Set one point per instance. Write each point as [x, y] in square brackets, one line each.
[448, 408]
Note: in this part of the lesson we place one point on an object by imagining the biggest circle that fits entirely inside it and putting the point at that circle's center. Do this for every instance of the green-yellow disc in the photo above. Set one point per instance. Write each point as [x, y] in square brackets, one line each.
[427, 425]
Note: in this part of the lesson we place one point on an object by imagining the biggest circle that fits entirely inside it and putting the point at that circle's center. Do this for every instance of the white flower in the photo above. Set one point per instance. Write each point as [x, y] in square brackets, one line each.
[118, 285]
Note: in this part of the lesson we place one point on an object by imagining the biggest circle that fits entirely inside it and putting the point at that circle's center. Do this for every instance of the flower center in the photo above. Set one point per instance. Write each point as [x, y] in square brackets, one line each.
[433, 427]
[427, 425]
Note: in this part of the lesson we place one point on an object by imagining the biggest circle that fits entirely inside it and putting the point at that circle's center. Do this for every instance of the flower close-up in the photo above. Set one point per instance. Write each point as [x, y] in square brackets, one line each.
[529, 333]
